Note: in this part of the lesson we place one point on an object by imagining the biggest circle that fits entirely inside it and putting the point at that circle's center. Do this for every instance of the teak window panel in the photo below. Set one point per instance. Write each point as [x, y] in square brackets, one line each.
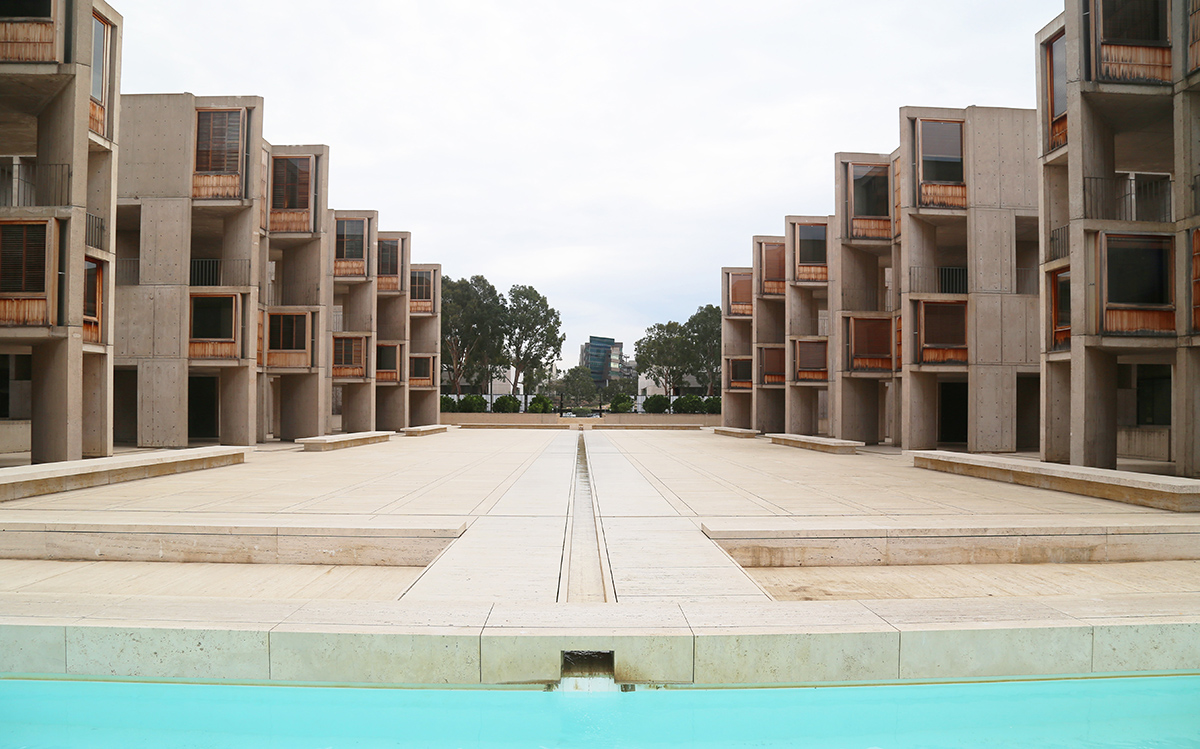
[219, 141]
[389, 257]
[774, 268]
[1138, 270]
[93, 291]
[740, 372]
[869, 193]
[351, 238]
[1056, 89]
[810, 245]
[741, 294]
[387, 358]
[1060, 308]
[943, 332]
[774, 371]
[291, 183]
[100, 40]
[871, 338]
[941, 164]
[347, 352]
[287, 332]
[23, 258]
[811, 360]
[213, 317]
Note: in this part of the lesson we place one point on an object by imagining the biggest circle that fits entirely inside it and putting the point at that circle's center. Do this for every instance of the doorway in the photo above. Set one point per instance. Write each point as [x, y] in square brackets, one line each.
[204, 404]
[952, 413]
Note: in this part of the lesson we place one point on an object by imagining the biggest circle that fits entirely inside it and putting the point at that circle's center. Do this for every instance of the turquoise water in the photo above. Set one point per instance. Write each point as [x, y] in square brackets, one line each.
[1125, 712]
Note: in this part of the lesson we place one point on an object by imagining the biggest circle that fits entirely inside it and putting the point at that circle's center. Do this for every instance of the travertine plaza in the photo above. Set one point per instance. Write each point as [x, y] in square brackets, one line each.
[169, 277]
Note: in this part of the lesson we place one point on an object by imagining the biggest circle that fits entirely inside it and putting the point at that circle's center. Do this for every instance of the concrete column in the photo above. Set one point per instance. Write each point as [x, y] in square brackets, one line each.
[860, 409]
[1056, 412]
[261, 405]
[1093, 408]
[162, 388]
[920, 410]
[802, 410]
[300, 405]
[1185, 412]
[97, 405]
[991, 409]
[391, 403]
[358, 407]
[57, 400]
[238, 410]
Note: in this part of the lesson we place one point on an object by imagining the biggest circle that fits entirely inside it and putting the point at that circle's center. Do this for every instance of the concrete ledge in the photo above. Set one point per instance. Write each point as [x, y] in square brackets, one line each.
[340, 441]
[820, 444]
[247, 542]
[425, 431]
[692, 427]
[735, 432]
[784, 643]
[527, 425]
[49, 478]
[1161, 492]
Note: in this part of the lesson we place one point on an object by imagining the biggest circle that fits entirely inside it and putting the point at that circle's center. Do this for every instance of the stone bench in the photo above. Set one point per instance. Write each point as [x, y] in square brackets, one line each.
[735, 432]
[341, 441]
[1161, 492]
[425, 431]
[694, 427]
[48, 478]
[820, 444]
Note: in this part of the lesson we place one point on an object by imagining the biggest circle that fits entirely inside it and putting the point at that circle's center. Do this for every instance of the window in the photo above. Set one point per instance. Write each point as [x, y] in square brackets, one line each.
[1138, 270]
[389, 257]
[27, 9]
[420, 367]
[1154, 395]
[773, 367]
[99, 57]
[347, 352]
[944, 325]
[739, 370]
[351, 236]
[740, 289]
[290, 183]
[1061, 283]
[810, 244]
[421, 285]
[772, 263]
[212, 318]
[1135, 22]
[1056, 76]
[870, 191]
[871, 337]
[941, 151]
[23, 258]
[810, 355]
[386, 358]
[288, 333]
[218, 141]
[91, 289]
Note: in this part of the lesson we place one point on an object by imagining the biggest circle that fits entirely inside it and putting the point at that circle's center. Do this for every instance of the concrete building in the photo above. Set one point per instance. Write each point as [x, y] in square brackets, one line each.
[937, 238]
[1118, 113]
[248, 309]
[60, 73]
[425, 342]
[603, 358]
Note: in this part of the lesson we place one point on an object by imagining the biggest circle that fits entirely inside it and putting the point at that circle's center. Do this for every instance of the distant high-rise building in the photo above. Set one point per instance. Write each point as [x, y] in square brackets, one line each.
[602, 356]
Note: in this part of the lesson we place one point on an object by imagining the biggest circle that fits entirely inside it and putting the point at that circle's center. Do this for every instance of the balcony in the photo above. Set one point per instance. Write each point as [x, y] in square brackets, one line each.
[739, 374]
[420, 372]
[128, 271]
[1060, 245]
[741, 300]
[94, 232]
[771, 370]
[870, 344]
[1133, 198]
[216, 186]
[866, 300]
[34, 185]
[213, 330]
[349, 356]
[871, 228]
[937, 280]
[27, 41]
[812, 361]
[289, 342]
[942, 333]
[943, 195]
[215, 272]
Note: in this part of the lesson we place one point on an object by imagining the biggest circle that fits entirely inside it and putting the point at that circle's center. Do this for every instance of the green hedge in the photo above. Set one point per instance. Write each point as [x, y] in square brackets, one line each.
[506, 404]
[540, 405]
[656, 404]
[449, 405]
[688, 404]
[472, 404]
[712, 405]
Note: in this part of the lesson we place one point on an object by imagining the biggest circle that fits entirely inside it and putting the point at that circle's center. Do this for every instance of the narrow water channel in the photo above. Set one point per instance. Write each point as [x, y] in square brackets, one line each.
[585, 577]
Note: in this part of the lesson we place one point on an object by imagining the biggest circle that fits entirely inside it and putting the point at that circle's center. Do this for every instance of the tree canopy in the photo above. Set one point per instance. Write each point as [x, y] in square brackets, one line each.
[533, 335]
[672, 351]
[473, 315]
[578, 386]
[704, 331]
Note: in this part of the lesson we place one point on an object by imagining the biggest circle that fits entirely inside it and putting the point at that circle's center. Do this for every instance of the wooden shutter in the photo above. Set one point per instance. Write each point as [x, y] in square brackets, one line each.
[23, 258]
[218, 141]
[944, 324]
[872, 337]
[810, 355]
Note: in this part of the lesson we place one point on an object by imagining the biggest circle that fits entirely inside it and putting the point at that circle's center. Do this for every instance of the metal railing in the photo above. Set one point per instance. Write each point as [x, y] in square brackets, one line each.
[937, 280]
[94, 231]
[128, 271]
[1060, 245]
[27, 185]
[823, 325]
[1027, 281]
[867, 300]
[339, 321]
[1140, 198]
[215, 272]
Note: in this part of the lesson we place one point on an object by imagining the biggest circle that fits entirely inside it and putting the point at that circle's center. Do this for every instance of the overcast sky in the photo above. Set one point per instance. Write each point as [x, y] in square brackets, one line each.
[612, 154]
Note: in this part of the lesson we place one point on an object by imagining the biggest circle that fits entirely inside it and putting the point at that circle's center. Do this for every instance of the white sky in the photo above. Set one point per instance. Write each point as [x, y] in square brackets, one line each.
[612, 154]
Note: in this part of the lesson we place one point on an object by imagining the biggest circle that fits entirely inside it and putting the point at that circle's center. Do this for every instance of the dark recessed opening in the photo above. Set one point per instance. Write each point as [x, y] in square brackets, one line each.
[587, 663]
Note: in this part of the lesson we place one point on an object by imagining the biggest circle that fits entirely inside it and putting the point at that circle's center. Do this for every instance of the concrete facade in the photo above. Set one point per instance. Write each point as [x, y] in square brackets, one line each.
[60, 75]
[1117, 122]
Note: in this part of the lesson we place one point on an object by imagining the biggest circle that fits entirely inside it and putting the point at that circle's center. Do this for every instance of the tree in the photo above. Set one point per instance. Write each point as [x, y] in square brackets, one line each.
[578, 386]
[704, 333]
[473, 316]
[665, 355]
[533, 334]
[618, 389]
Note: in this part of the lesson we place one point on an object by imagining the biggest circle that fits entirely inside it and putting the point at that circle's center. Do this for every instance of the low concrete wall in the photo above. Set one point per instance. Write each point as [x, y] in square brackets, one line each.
[14, 436]
[569, 422]
[1146, 443]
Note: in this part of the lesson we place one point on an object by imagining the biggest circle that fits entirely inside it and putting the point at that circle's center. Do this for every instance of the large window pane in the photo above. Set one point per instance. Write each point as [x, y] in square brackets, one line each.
[290, 183]
[740, 289]
[739, 370]
[99, 56]
[26, 9]
[389, 257]
[218, 141]
[288, 333]
[1154, 395]
[421, 285]
[1057, 76]
[1134, 21]
[212, 318]
[91, 288]
[1139, 270]
[772, 262]
[870, 191]
[872, 338]
[810, 244]
[1062, 299]
[385, 358]
[944, 324]
[941, 151]
[351, 235]
[419, 367]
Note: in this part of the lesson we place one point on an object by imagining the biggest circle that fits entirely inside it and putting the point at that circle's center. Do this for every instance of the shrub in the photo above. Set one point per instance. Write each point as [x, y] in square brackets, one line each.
[506, 404]
[656, 404]
[449, 405]
[688, 404]
[712, 405]
[540, 405]
[582, 411]
[622, 405]
[472, 404]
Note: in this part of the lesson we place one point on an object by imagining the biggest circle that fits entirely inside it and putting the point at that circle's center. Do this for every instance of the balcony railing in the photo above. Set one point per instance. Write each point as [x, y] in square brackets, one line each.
[937, 280]
[339, 320]
[210, 272]
[1124, 199]
[29, 185]
[867, 300]
[1060, 247]
[29, 40]
[94, 231]
[1027, 281]
[128, 271]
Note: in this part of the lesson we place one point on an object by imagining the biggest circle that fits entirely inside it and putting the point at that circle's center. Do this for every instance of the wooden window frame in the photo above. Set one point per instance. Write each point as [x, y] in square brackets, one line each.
[233, 321]
[1050, 89]
[962, 142]
[308, 198]
[47, 269]
[749, 279]
[358, 353]
[105, 70]
[340, 243]
[1058, 331]
[1098, 11]
[98, 286]
[393, 346]
[413, 360]
[781, 280]
[855, 322]
[924, 304]
[271, 318]
[241, 146]
[384, 253]
[414, 286]
[1170, 265]
[887, 169]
